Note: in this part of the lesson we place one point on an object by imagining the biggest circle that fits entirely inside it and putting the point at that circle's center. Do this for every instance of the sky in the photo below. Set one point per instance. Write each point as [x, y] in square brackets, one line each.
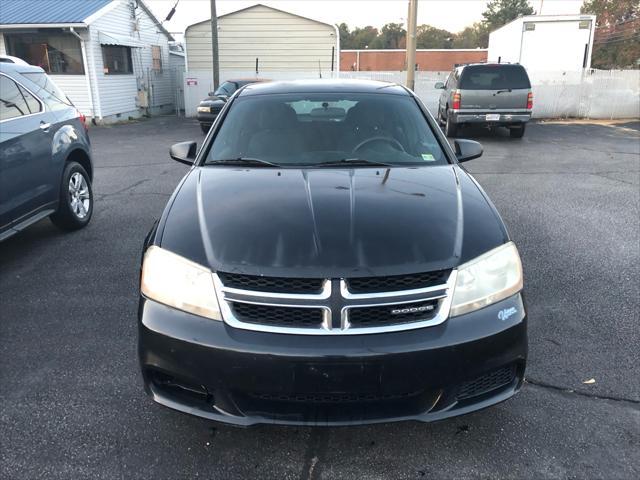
[452, 15]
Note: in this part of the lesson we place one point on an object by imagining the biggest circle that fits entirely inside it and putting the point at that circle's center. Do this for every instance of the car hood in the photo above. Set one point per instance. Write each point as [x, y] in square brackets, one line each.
[212, 102]
[330, 222]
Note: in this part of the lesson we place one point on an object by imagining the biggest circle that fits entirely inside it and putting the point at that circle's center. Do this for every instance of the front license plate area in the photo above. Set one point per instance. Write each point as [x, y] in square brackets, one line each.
[337, 378]
[493, 117]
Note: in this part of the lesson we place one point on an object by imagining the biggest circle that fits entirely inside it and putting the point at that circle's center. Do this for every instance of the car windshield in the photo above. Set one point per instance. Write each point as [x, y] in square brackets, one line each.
[494, 77]
[317, 129]
[227, 88]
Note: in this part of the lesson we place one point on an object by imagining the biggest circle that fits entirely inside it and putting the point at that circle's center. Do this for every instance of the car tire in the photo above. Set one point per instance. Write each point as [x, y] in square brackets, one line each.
[76, 199]
[450, 128]
[517, 132]
[205, 128]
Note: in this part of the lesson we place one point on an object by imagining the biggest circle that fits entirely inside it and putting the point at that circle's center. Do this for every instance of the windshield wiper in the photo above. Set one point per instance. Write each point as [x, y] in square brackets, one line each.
[352, 161]
[254, 162]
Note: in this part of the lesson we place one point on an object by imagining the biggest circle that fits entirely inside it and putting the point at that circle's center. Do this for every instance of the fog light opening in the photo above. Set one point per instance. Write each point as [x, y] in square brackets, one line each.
[174, 386]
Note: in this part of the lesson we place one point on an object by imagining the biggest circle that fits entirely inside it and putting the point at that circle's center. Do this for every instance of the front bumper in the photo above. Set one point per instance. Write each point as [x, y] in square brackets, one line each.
[478, 117]
[206, 368]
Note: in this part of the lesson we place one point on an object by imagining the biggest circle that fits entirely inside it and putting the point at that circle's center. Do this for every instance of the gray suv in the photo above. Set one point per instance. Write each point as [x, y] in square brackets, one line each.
[490, 94]
[45, 155]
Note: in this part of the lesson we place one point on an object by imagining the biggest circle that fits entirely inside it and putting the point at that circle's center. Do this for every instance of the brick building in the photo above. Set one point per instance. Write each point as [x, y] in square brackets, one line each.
[394, 60]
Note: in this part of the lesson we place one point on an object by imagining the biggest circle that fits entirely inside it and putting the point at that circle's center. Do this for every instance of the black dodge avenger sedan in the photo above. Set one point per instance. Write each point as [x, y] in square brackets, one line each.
[327, 261]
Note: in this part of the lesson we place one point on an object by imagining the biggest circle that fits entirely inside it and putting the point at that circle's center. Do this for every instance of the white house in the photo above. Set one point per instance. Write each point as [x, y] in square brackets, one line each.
[545, 42]
[111, 57]
[279, 40]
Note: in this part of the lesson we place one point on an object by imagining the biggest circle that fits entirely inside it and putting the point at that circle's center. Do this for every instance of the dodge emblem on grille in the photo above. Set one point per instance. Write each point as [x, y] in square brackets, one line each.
[403, 311]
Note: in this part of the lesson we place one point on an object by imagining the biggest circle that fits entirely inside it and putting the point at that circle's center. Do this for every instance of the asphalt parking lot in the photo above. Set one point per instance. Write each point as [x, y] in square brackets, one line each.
[72, 398]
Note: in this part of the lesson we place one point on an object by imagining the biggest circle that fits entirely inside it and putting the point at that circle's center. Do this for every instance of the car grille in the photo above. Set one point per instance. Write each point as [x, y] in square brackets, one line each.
[333, 397]
[278, 316]
[393, 314]
[488, 382]
[397, 282]
[332, 306]
[272, 284]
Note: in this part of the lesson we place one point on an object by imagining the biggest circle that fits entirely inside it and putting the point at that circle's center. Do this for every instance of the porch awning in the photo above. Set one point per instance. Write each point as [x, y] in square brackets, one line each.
[113, 39]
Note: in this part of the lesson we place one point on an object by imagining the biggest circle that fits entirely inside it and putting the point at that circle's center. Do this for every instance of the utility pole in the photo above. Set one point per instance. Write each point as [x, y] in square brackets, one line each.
[411, 43]
[214, 45]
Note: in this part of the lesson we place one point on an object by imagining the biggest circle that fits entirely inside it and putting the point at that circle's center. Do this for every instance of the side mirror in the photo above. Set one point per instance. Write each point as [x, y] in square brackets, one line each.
[439, 85]
[211, 94]
[467, 150]
[184, 152]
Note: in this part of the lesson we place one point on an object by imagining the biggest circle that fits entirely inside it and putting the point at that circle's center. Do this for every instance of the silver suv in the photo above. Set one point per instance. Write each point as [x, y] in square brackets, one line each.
[491, 94]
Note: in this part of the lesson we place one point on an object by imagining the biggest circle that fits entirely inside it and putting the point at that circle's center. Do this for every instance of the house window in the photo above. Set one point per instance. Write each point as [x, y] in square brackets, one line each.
[116, 60]
[156, 56]
[56, 53]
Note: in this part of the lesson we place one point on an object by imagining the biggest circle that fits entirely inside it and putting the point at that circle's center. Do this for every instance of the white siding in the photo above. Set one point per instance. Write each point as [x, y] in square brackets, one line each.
[280, 40]
[75, 87]
[118, 93]
[177, 62]
[3, 50]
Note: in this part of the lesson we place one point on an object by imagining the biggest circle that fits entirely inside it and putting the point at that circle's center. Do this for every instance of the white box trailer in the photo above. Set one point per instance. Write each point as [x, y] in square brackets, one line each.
[545, 42]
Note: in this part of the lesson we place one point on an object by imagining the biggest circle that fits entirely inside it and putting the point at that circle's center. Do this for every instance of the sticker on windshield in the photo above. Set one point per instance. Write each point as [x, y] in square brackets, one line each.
[428, 157]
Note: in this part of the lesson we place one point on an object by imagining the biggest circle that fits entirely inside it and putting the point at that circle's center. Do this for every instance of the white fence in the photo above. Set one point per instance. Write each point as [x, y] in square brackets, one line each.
[594, 94]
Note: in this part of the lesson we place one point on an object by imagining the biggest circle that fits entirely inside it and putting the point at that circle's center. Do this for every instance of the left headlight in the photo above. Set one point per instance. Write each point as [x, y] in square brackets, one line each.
[204, 109]
[487, 279]
[180, 283]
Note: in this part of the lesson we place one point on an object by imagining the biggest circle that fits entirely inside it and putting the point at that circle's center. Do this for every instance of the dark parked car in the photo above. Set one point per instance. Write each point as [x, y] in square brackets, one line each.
[489, 94]
[45, 154]
[327, 261]
[210, 107]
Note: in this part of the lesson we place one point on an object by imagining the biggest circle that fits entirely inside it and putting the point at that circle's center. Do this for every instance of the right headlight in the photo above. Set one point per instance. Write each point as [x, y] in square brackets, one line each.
[487, 279]
[178, 282]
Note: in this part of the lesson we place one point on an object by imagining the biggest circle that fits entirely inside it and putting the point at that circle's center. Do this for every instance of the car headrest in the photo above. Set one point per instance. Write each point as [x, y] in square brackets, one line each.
[277, 115]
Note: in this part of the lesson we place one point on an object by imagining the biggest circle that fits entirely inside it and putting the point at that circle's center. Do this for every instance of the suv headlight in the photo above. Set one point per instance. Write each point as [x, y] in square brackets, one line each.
[487, 279]
[179, 283]
[204, 109]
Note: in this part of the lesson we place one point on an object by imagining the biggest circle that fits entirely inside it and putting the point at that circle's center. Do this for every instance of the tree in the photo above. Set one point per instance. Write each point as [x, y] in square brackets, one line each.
[501, 12]
[616, 41]
[346, 37]
[610, 12]
[474, 36]
[392, 35]
[432, 37]
[363, 37]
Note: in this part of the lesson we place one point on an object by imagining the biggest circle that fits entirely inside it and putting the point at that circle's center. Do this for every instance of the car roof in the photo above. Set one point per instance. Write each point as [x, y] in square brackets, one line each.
[324, 86]
[247, 80]
[7, 67]
[491, 64]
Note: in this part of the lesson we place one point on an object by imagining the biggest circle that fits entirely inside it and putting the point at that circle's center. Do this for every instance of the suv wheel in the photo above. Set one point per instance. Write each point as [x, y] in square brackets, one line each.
[450, 128]
[76, 199]
[517, 132]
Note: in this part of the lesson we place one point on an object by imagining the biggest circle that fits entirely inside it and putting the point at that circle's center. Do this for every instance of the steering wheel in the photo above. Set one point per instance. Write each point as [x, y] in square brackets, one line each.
[391, 141]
